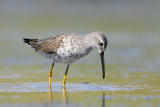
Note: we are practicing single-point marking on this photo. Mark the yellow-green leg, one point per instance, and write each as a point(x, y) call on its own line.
point(50, 74)
point(65, 75)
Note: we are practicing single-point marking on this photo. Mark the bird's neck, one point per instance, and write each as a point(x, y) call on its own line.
point(92, 41)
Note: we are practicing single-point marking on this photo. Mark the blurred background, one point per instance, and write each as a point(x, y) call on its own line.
point(124, 21)
point(132, 56)
point(104, 15)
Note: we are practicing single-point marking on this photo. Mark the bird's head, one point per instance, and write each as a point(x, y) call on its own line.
point(99, 41)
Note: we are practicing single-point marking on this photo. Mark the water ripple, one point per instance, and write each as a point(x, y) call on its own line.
point(57, 87)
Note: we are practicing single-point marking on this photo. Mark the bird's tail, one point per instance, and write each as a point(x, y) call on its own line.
point(32, 42)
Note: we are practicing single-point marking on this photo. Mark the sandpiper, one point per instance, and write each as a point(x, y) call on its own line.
point(67, 48)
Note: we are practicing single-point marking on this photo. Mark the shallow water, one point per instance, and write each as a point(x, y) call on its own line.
point(132, 76)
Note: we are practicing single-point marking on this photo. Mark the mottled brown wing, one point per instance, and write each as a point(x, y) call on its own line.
point(48, 45)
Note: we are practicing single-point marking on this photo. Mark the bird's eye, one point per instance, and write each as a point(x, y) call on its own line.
point(100, 44)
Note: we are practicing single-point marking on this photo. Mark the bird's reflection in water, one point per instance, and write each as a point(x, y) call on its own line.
point(64, 94)
point(65, 99)
point(103, 100)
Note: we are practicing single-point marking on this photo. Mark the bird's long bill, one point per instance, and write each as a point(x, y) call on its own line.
point(103, 63)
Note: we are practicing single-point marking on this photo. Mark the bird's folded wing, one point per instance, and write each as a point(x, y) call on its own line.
point(48, 45)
